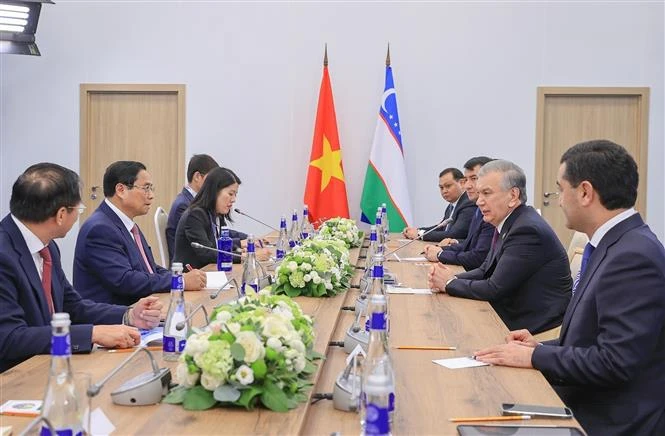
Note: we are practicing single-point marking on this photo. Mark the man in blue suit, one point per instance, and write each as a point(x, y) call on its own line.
point(459, 208)
point(113, 262)
point(198, 168)
point(608, 364)
point(526, 275)
point(45, 203)
point(469, 253)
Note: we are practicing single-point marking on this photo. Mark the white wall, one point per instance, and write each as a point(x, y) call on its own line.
point(466, 78)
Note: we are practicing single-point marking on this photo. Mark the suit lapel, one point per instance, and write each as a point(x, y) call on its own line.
point(28, 266)
point(596, 259)
point(498, 246)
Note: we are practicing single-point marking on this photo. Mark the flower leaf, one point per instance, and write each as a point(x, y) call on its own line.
point(275, 399)
point(226, 393)
point(238, 352)
point(198, 398)
point(176, 396)
point(247, 397)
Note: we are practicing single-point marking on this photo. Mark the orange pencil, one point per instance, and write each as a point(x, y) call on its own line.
point(416, 347)
point(26, 414)
point(492, 418)
point(131, 350)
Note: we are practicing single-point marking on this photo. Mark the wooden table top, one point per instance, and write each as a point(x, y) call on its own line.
point(426, 394)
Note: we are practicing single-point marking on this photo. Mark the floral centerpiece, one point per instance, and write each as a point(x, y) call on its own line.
point(255, 351)
point(316, 268)
point(341, 229)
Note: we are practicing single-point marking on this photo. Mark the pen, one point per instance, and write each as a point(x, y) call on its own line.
point(492, 418)
point(129, 350)
point(416, 347)
point(189, 267)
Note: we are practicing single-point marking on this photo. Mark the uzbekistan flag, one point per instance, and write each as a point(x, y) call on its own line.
point(385, 180)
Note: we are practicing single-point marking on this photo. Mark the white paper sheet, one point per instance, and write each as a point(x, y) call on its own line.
point(100, 424)
point(459, 362)
point(400, 290)
point(215, 280)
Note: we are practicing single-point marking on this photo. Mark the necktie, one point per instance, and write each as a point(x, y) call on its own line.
point(495, 237)
point(588, 250)
point(448, 213)
point(139, 244)
point(46, 277)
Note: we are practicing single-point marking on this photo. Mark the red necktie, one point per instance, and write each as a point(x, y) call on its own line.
point(139, 244)
point(46, 277)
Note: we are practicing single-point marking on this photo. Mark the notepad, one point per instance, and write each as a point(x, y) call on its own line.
point(215, 280)
point(400, 290)
point(459, 362)
point(21, 408)
point(410, 259)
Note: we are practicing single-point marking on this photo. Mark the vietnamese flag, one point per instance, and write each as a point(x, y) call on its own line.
point(325, 191)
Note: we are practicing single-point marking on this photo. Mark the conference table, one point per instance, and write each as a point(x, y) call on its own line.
point(427, 394)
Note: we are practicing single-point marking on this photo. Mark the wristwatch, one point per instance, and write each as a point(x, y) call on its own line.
point(421, 233)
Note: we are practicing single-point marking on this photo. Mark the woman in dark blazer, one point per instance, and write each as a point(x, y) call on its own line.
point(204, 218)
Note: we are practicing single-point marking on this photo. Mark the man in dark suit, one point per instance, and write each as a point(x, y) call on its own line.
point(198, 168)
point(45, 203)
point(608, 364)
point(460, 209)
point(113, 262)
point(526, 275)
point(468, 253)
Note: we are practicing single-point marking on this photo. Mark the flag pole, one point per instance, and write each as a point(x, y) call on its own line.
point(388, 56)
point(325, 55)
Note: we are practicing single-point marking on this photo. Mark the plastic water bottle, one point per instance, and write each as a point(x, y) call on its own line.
point(306, 228)
point(384, 221)
point(225, 243)
point(282, 244)
point(174, 339)
point(294, 230)
point(252, 271)
point(61, 405)
point(378, 375)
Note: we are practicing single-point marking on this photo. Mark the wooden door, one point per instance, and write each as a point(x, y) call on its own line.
point(567, 116)
point(145, 123)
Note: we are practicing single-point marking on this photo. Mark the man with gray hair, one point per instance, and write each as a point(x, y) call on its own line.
point(526, 275)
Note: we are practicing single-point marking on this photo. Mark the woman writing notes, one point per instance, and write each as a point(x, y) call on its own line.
point(203, 220)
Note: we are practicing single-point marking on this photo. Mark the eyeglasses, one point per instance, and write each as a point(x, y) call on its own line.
point(145, 188)
point(81, 208)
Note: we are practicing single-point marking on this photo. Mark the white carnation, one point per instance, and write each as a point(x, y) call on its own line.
point(233, 327)
point(274, 326)
point(297, 345)
point(197, 344)
point(299, 363)
point(292, 266)
point(223, 316)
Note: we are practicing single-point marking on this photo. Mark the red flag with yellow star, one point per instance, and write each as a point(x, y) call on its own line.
point(325, 191)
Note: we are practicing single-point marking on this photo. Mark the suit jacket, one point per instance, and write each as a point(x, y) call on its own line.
point(526, 276)
point(472, 251)
point(608, 364)
point(196, 226)
point(108, 266)
point(179, 205)
point(459, 228)
point(25, 321)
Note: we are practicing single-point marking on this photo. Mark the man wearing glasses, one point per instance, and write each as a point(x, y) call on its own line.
point(44, 205)
point(113, 262)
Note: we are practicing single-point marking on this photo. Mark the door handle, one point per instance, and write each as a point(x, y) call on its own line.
point(93, 192)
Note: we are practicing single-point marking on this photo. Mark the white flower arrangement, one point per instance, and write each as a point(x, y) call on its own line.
point(341, 229)
point(316, 268)
point(255, 351)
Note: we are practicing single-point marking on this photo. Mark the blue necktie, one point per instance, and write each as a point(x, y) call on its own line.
point(588, 250)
